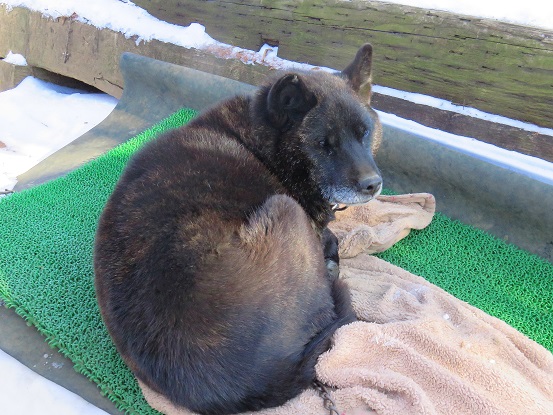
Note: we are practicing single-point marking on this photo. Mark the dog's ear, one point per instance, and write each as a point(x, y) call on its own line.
point(288, 101)
point(359, 72)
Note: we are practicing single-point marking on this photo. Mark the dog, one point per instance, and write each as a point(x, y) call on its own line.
point(212, 254)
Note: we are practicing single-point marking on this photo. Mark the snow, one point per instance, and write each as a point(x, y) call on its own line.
point(23, 392)
point(449, 106)
point(120, 16)
point(15, 59)
point(537, 13)
point(38, 118)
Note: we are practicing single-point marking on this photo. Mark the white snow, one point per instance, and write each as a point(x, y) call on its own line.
point(23, 392)
point(537, 13)
point(471, 112)
point(15, 59)
point(37, 118)
point(120, 16)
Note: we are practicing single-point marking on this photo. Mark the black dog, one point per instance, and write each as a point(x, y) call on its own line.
point(209, 260)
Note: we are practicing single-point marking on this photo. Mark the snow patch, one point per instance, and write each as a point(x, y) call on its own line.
point(120, 16)
point(38, 118)
point(26, 392)
point(15, 59)
point(537, 13)
point(458, 109)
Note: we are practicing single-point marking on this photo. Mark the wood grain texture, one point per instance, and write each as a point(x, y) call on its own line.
point(497, 67)
point(91, 55)
point(504, 136)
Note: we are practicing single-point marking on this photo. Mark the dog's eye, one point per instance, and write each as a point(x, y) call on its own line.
point(329, 141)
point(361, 131)
point(328, 144)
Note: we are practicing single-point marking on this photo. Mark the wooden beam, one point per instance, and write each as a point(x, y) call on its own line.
point(497, 67)
point(74, 49)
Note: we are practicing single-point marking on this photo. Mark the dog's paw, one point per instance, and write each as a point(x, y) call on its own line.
point(333, 269)
point(330, 246)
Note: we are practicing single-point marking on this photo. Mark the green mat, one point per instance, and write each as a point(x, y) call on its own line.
point(46, 273)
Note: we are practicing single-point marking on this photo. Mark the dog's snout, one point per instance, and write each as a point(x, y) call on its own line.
point(370, 185)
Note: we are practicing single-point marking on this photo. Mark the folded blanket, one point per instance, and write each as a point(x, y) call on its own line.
point(415, 349)
point(376, 226)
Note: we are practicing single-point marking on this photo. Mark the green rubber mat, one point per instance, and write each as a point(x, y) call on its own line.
point(46, 273)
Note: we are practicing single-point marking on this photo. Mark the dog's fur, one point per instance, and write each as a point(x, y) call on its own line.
point(209, 259)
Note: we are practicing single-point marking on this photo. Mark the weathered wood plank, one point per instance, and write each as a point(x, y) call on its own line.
point(91, 55)
point(504, 136)
point(83, 52)
point(497, 67)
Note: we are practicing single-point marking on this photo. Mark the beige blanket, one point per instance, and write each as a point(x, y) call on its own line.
point(415, 349)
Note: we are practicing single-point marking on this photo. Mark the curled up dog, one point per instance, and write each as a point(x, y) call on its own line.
point(212, 254)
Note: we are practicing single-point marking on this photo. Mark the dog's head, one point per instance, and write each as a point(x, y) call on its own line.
point(328, 131)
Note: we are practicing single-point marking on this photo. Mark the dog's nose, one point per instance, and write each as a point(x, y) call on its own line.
point(370, 185)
